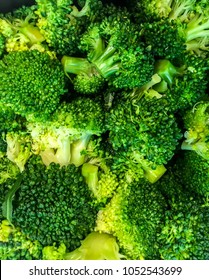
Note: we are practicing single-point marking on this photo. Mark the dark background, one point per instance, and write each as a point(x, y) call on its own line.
point(9, 5)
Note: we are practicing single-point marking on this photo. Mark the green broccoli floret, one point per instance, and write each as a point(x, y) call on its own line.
point(31, 83)
point(20, 30)
point(96, 246)
point(183, 85)
point(53, 252)
point(15, 245)
point(194, 171)
point(62, 23)
point(114, 53)
point(196, 129)
point(54, 205)
point(97, 170)
point(143, 133)
point(8, 169)
point(185, 233)
point(134, 216)
point(64, 138)
point(181, 23)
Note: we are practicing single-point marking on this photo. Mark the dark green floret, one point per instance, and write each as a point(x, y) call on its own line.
point(134, 216)
point(60, 209)
point(31, 82)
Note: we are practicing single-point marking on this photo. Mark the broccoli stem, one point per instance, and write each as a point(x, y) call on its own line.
point(77, 150)
point(167, 71)
point(32, 33)
point(77, 66)
point(90, 173)
point(196, 29)
point(107, 63)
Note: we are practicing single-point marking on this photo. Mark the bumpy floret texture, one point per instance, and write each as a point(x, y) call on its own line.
point(59, 210)
point(36, 87)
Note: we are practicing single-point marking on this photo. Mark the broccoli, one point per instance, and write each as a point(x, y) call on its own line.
point(144, 134)
point(62, 22)
point(114, 53)
point(134, 216)
point(20, 30)
point(64, 138)
point(196, 129)
point(15, 245)
point(184, 85)
point(96, 246)
point(179, 26)
point(194, 170)
point(31, 83)
point(53, 204)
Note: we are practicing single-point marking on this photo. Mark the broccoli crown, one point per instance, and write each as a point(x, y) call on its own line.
point(164, 39)
point(185, 233)
point(20, 30)
point(64, 137)
point(31, 82)
point(8, 169)
point(115, 53)
point(15, 245)
point(195, 172)
point(196, 126)
point(183, 85)
point(62, 23)
point(60, 209)
point(144, 125)
point(135, 225)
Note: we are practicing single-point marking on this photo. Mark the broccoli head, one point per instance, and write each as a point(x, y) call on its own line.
point(31, 82)
point(53, 204)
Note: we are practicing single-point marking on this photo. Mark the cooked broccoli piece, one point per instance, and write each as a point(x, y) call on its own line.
point(196, 129)
point(114, 53)
point(20, 30)
point(134, 216)
point(185, 233)
point(97, 170)
point(62, 22)
point(179, 26)
point(96, 246)
point(184, 85)
point(54, 205)
point(15, 245)
point(64, 138)
point(31, 83)
point(143, 132)
point(194, 171)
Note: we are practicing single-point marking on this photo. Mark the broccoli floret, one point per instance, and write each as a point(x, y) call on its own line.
point(97, 170)
point(143, 132)
point(31, 83)
point(185, 20)
point(114, 53)
point(96, 246)
point(8, 169)
point(15, 245)
point(64, 138)
point(54, 253)
point(194, 171)
point(196, 129)
point(54, 205)
point(183, 85)
point(134, 216)
point(62, 23)
point(185, 233)
point(20, 30)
